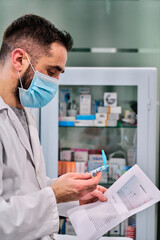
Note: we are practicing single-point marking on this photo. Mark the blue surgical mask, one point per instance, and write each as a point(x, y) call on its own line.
point(41, 91)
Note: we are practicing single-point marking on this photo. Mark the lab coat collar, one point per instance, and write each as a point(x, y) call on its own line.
point(18, 127)
point(3, 105)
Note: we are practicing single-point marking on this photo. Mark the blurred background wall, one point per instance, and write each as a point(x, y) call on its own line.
point(109, 33)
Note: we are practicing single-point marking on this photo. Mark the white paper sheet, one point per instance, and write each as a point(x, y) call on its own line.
point(69, 237)
point(131, 193)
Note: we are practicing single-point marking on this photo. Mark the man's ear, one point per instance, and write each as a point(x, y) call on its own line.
point(19, 60)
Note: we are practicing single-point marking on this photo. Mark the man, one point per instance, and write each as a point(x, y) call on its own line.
point(32, 56)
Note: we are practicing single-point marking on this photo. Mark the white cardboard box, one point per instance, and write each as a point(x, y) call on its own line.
point(117, 109)
point(85, 104)
point(115, 231)
point(109, 116)
point(110, 99)
point(100, 116)
point(100, 122)
point(85, 123)
point(108, 109)
point(102, 109)
point(95, 157)
point(111, 123)
point(81, 156)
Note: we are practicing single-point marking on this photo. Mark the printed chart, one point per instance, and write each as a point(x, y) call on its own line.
point(133, 194)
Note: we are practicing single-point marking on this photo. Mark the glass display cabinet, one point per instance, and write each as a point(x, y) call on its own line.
point(110, 109)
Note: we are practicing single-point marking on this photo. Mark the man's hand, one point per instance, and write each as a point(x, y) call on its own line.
point(73, 186)
point(94, 196)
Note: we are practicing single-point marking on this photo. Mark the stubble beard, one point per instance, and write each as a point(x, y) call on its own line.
point(26, 81)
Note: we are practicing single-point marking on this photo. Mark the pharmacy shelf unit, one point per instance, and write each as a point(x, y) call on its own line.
point(145, 79)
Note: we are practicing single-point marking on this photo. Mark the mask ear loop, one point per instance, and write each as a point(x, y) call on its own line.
point(29, 62)
point(20, 79)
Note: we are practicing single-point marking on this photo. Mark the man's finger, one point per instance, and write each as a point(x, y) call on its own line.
point(92, 182)
point(80, 176)
point(99, 195)
point(101, 188)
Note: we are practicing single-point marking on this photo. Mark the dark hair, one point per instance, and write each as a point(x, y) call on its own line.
point(34, 34)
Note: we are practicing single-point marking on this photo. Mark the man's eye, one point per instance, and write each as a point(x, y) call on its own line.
point(50, 73)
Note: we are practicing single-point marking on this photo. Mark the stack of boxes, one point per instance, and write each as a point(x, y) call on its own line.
point(85, 118)
point(108, 115)
point(73, 160)
point(81, 161)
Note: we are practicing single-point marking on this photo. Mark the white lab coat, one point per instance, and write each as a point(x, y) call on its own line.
point(25, 212)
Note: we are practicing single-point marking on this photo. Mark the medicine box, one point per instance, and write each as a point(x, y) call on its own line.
point(115, 231)
point(85, 117)
point(66, 118)
point(100, 123)
point(71, 166)
point(129, 117)
point(80, 154)
point(81, 167)
point(100, 116)
point(84, 123)
point(111, 123)
point(84, 167)
point(108, 109)
point(62, 109)
point(103, 109)
point(85, 104)
point(95, 157)
point(66, 123)
point(105, 123)
point(117, 109)
point(66, 166)
point(113, 116)
point(110, 99)
point(108, 116)
point(115, 167)
point(129, 114)
point(67, 155)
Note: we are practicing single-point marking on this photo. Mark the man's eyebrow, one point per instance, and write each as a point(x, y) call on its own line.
point(58, 68)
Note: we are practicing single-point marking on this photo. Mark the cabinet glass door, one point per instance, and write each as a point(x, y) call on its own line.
point(95, 118)
point(110, 109)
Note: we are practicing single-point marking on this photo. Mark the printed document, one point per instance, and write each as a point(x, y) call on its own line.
point(131, 193)
point(70, 237)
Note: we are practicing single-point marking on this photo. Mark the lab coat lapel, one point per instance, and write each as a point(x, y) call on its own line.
point(34, 138)
point(37, 151)
point(20, 132)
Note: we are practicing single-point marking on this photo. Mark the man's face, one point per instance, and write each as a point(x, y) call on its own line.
point(52, 65)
